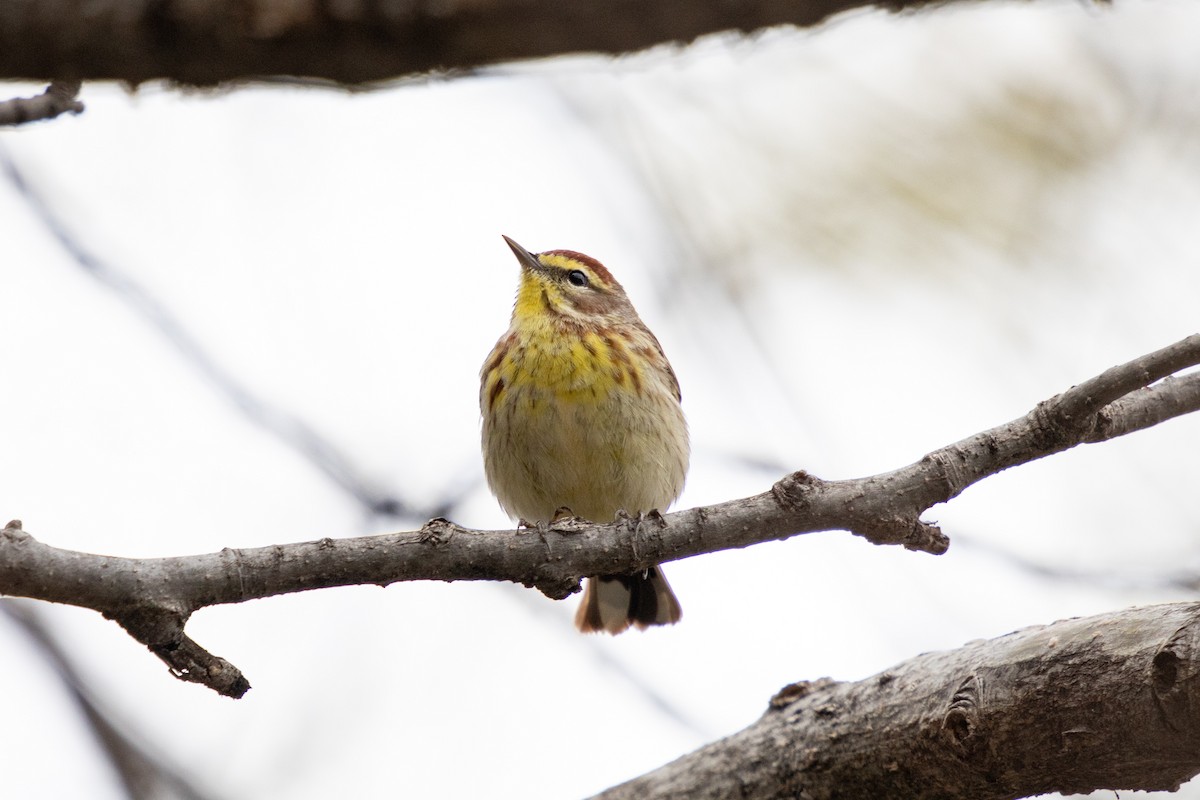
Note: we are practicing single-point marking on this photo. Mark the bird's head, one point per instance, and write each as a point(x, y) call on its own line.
point(566, 286)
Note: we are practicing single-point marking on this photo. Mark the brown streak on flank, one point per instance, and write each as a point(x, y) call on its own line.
point(601, 271)
point(618, 355)
point(623, 362)
point(651, 354)
point(497, 388)
point(501, 351)
point(636, 378)
point(616, 352)
point(591, 348)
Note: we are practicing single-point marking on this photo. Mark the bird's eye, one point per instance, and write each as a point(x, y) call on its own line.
point(577, 277)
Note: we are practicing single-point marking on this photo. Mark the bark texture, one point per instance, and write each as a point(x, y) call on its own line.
point(152, 598)
point(1106, 702)
point(206, 42)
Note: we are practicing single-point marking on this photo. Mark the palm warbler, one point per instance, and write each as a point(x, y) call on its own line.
point(581, 410)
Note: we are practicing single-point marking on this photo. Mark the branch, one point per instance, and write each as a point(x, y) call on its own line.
point(207, 42)
point(1106, 702)
point(154, 597)
point(59, 98)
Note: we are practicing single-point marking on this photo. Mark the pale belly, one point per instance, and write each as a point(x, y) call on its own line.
point(594, 455)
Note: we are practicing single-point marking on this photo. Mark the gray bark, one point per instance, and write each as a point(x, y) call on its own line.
point(153, 598)
point(1106, 702)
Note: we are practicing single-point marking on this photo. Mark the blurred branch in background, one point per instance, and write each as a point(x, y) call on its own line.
point(154, 598)
point(1101, 702)
point(286, 427)
point(144, 774)
point(208, 42)
point(60, 97)
point(598, 651)
point(1116, 579)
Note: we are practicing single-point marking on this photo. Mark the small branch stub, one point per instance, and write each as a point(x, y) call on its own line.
point(162, 632)
point(59, 98)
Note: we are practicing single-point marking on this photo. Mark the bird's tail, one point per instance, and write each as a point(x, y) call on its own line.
point(612, 603)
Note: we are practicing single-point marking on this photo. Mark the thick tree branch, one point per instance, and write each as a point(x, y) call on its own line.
point(59, 98)
point(153, 598)
point(1107, 702)
point(207, 42)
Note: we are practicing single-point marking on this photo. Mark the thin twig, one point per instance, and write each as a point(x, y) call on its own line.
point(59, 98)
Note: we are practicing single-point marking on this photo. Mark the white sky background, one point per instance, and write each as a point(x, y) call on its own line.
point(856, 244)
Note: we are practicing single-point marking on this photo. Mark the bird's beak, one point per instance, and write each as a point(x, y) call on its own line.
point(528, 260)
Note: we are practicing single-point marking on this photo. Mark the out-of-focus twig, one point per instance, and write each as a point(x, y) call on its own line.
point(288, 428)
point(146, 775)
point(60, 97)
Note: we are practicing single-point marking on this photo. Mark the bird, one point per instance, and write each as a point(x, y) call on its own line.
point(581, 410)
